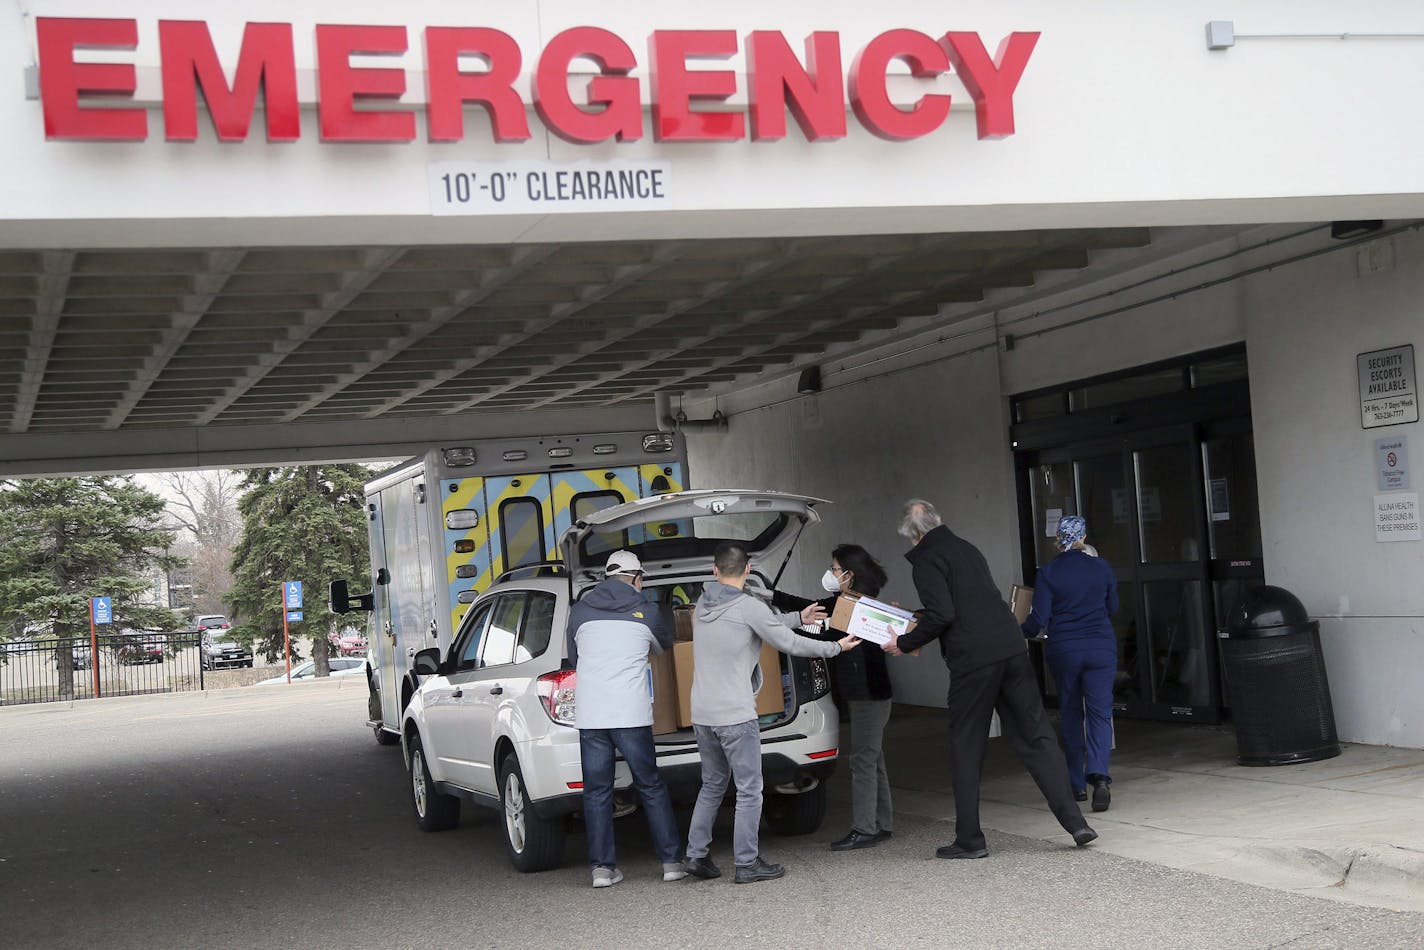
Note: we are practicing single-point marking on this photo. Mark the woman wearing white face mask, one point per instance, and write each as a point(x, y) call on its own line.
point(863, 683)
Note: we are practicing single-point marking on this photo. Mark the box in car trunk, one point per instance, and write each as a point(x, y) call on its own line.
point(664, 685)
point(771, 698)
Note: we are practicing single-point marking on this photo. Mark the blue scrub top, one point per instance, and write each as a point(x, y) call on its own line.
point(1073, 597)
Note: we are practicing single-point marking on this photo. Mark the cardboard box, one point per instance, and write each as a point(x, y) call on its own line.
point(873, 621)
point(682, 623)
point(1021, 600)
point(769, 699)
point(663, 683)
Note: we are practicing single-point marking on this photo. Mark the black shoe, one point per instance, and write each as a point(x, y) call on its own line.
point(885, 835)
point(854, 840)
point(759, 870)
point(1102, 798)
point(702, 867)
point(1080, 795)
point(955, 851)
point(1084, 835)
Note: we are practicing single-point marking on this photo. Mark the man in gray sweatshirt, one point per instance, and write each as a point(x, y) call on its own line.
point(728, 629)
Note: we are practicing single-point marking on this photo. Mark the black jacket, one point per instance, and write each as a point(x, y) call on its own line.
point(962, 607)
point(859, 674)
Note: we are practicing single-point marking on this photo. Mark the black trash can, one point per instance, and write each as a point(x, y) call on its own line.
point(1280, 697)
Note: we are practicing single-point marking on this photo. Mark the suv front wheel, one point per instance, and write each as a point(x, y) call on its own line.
point(533, 843)
point(434, 810)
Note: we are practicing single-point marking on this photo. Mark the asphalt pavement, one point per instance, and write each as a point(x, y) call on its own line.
point(246, 817)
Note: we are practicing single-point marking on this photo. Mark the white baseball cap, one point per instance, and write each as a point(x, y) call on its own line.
point(623, 562)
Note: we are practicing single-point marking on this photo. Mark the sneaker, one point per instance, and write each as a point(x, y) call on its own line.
point(759, 870)
point(673, 871)
point(1080, 794)
point(1084, 835)
point(1102, 798)
point(955, 851)
point(606, 877)
point(702, 867)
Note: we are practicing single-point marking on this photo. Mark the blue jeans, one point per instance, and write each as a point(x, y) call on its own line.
point(596, 747)
point(1085, 699)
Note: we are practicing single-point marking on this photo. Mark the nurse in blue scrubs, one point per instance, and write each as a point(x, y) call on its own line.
point(1074, 597)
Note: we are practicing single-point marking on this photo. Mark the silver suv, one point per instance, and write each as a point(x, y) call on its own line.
point(492, 721)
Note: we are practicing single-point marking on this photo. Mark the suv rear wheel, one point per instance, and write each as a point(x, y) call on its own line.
point(434, 810)
point(533, 843)
point(801, 814)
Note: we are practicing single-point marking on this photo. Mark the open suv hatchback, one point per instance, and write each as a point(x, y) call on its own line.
point(492, 721)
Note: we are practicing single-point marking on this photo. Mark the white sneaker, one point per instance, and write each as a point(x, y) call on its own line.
point(674, 871)
point(606, 877)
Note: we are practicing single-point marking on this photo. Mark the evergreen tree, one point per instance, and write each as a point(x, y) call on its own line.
point(69, 539)
point(307, 524)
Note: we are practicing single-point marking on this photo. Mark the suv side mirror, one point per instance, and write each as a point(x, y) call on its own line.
point(426, 662)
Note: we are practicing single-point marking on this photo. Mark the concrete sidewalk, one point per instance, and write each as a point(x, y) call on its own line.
point(1349, 828)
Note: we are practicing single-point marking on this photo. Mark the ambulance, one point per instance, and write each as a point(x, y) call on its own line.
point(445, 525)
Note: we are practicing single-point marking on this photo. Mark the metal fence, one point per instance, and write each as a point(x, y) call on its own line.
point(127, 664)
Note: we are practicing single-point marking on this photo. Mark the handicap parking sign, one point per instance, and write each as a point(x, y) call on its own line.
point(293, 592)
point(293, 616)
point(103, 610)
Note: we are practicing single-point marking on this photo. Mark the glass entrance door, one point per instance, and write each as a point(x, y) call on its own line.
point(1149, 501)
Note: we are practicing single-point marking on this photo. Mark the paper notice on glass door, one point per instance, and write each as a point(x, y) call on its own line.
point(1050, 522)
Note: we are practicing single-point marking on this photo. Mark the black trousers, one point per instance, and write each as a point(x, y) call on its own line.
point(1008, 686)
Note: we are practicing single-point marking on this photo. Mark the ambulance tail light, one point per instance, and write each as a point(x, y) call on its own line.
point(658, 442)
point(556, 693)
point(459, 457)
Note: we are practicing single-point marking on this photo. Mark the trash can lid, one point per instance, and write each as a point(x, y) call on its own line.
point(1266, 608)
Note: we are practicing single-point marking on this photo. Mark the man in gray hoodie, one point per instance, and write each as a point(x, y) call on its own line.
point(728, 629)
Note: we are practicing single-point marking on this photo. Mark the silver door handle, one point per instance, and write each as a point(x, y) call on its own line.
point(496, 690)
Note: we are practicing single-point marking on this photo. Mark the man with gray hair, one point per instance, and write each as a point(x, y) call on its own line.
point(988, 669)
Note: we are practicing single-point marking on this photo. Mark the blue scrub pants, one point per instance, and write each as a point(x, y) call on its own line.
point(1085, 695)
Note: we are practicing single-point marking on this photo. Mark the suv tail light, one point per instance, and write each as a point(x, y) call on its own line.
point(556, 692)
point(820, 678)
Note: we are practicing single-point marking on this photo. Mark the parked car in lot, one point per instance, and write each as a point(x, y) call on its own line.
point(306, 672)
point(492, 720)
point(219, 648)
point(349, 642)
point(138, 647)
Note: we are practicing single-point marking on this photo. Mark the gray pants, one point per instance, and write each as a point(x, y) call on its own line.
point(869, 783)
point(728, 752)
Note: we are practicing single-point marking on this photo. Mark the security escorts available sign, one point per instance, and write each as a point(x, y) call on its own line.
point(1389, 392)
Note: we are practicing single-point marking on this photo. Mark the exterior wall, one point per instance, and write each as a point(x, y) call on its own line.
point(935, 432)
point(1317, 479)
point(1303, 321)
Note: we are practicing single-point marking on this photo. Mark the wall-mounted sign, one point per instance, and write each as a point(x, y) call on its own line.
point(1389, 389)
point(1392, 464)
point(1397, 517)
point(88, 89)
point(547, 187)
point(1219, 498)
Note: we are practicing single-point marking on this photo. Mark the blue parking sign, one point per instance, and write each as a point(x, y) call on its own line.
point(293, 616)
point(292, 591)
point(103, 610)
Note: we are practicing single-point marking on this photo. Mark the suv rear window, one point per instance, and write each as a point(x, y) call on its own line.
point(668, 539)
